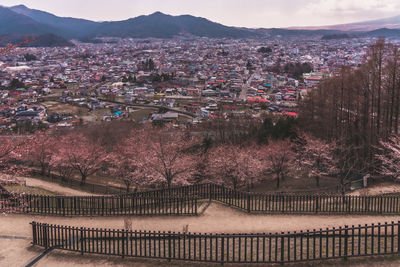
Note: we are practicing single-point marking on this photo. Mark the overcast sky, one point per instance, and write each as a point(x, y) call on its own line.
point(246, 13)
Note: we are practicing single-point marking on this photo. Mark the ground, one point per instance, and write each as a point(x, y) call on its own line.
point(379, 189)
point(54, 188)
point(63, 108)
point(15, 231)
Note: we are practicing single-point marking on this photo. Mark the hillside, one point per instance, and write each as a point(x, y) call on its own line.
point(66, 27)
point(44, 40)
point(363, 26)
point(14, 23)
point(159, 25)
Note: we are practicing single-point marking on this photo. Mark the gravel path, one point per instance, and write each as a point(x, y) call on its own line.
point(56, 188)
point(217, 218)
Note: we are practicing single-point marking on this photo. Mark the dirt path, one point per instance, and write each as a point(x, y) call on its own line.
point(56, 188)
point(383, 188)
point(217, 218)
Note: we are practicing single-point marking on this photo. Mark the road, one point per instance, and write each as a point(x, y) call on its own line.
point(182, 113)
point(245, 87)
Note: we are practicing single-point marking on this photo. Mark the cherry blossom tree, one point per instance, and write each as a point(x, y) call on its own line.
point(279, 158)
point(235, 165)
point(11, 149)
point(59, 162)
point(318, 156)
point(127, 162)
point(9, 47)
point(82, 154)
point(40, 150)
point(389, 157)
point(169, 156)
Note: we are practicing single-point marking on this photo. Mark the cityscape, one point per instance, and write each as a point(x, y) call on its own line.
point(170, 138)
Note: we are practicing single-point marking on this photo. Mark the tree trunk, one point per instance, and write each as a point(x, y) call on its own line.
point(42, 169)
point(169, 182)
point(83, 179)
point(317, 180)
point(277, 180)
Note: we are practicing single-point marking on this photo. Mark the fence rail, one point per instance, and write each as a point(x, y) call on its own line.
point(184, 200)
point(99, 205)
point(342, 242)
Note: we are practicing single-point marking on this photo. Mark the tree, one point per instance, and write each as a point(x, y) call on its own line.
point(15, 83)
point(82, 154)
point(168, 156)
point(278, 157)
point(389, 158)
point(60, 163)
point(40, 150)
point(6, 50)
point(265, 131)
point(238, 166)
point(264, 50)
point(284, 128)
point(30, 57)
point(318, 156)
point(127, 164)
point(150, 64)
point(12, 148)
point(358, 106)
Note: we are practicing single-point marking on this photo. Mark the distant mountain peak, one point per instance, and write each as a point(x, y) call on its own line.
point(158, 13)
point(20, 6)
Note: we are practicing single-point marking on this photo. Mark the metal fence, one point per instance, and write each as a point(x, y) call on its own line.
point(342, 242)
point(185, 200)
point(99, 205)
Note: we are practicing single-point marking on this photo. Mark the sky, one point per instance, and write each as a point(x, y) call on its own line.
point(242, 13)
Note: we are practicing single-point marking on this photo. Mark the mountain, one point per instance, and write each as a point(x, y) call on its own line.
point(384, 32)
point(14, 23)
point(338, 36)
point(66, 27)
point(159, 25)
point(364, 26)
point(44, 40)
point(18, 20)
point(273, 32)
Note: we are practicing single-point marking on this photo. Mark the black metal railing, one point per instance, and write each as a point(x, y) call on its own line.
point(343, 242)
point(184, 200)
point(99, 205)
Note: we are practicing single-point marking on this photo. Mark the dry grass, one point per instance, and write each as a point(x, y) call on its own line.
point(29, 190)
point(62, 108)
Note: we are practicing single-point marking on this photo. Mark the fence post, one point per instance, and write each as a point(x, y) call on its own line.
point(248, 202)
point(169, 246)
point(282, 248)
point(63, 206)
point(398, 236)
point(81, 240)
point(123, 243)
point(45, 236)
point(349, 199)
point(346, 239)
point(210, 191)
point(34, 241)
point(317, 203)
point(223, 249)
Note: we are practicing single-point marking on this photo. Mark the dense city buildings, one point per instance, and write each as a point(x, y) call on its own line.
point(183, 80)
